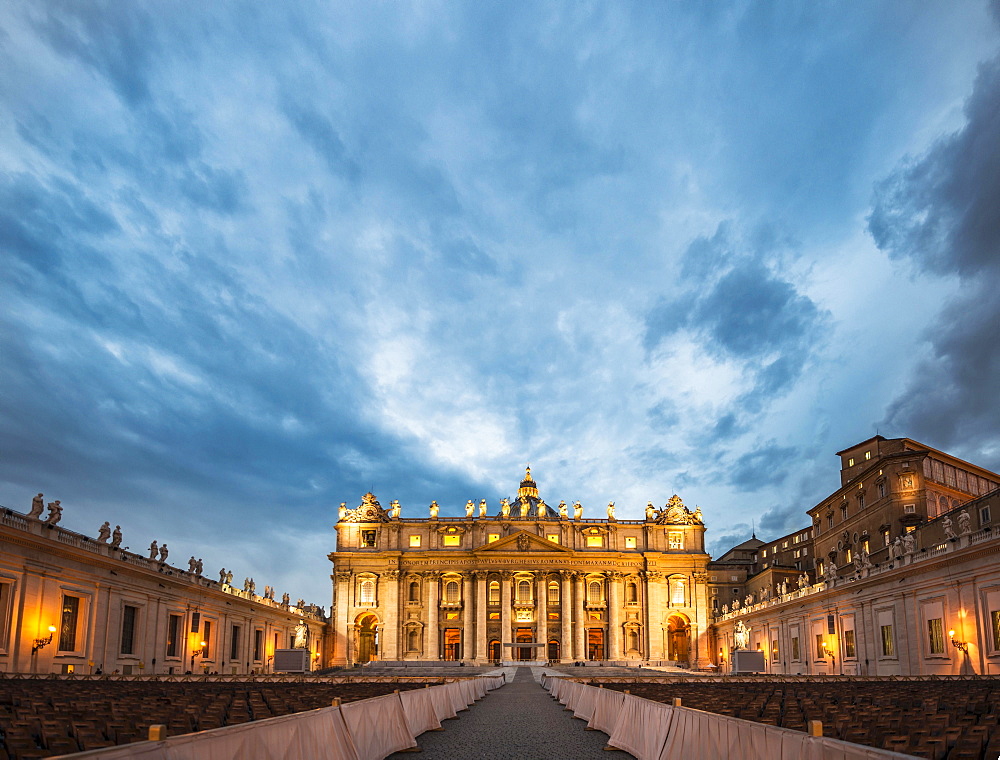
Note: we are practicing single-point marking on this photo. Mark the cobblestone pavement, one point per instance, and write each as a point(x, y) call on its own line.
point(519, 721)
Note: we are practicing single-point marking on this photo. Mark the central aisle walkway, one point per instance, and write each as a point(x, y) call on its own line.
point(518, 721)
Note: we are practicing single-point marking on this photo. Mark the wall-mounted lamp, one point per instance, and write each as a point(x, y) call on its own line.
point(196, 653)
point(42, 643)
point(961, 646)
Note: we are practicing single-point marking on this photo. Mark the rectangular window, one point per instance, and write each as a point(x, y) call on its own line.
point(69, 623)
point(553, 593)
point(368, 538)
point(129, 615)
point(675, 540)
point(494, 616)
point(850, 649)
point(795, 648)
point(820, 648)
point(995, 618)
point(414, 542)
point(452, 540)
point(763, 554)
point(843, 513)
point(796, 554)
point(234, 643)
point(492, 537)
point(629, 542)
point(774, 649)
point(984, 515)
point(850, 462)
point(888, 649)
point(881, 490)
point(595, 542)
point(552, 537)
point(861, 501)
point(174, 635)
point(784, 544)
point(258, 645)
point(207, 638)
point(677, 593)
point(935, 636)
point(868, 455)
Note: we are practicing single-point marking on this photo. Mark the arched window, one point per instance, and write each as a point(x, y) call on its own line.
point(594, 592)
point(631, 593)
point(524, 591)
point(451, 592)
point(494, 592)
point(412, 640)
point(368, 592)
point(678, 595)
point(553, 592)
point(414, 591)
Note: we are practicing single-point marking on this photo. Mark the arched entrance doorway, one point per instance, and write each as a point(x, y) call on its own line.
point(678, 639)
point(366, 630)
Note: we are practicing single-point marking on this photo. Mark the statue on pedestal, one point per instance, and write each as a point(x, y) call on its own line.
point(116, 537)
point(163, 553)
point(505, 507)
point(469, 508)
point(222, 576)
point(577, 510)
point(949, 531)
point(742, 635)
point(803, 581)
point(342, 510)
point(55, 513)
point(229, 578)
point(964, 523)
point(542, 509)
point(284, 599)
point(611, 510)
point(482, 508)
point(37, 507)
point(104, 532)
point(525, 507)
point(909, 543)
point(563, 510)
point(301, 636)
point(650, 511)
point(434, 510)
point(154, 550)
point(394, 508)
point(199, 566)
point(191, 564)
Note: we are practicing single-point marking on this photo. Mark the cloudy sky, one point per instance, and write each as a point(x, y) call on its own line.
point(257, 259)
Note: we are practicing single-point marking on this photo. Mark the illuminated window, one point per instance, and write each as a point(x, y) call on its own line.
point(675, 540)
point(850, 650)
point(524, 591)
point(935, 635)
point(677, 592)
point(763, 554)
point(995, 620)
point(595, 541)
point(415, 541)
point(774, 649)
point(888, 648)
point(492, 537)
point(629, 542)
point(784, 544)
point(451, 616)
point(553, 592)
point(494, 592)
point(451, 592)
point(450, 540)
point(553, 616)
point(820, 648)
point(594, 595)
point(850, 462)
point(367, 592)
point(368, 538)
point(70, 621)
point(848, 555)
point(868, 455)
point(494, 616)
point(553, 537)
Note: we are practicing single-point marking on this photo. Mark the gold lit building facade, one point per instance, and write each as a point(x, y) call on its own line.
point(527, 582)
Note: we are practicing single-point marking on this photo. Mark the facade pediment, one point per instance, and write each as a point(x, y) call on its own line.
point(522, 542)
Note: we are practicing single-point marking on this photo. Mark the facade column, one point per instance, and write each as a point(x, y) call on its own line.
point(481, 643)
point(542, 607)
point(342, 632)
point(655, 607)
point(566, 616)
point(581, 617)
point(615, 616)
point(506, 635)
point(432, 649)
point(701, 643)
point(469, 612)
point(390, 622)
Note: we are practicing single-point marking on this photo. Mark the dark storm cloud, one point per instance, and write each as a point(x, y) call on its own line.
point(764, 466)
point(940, 211)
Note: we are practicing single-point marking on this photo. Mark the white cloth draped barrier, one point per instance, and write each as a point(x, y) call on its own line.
point(369, 729)
point(655, 731)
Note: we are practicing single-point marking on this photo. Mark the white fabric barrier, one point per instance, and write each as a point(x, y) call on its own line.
point(418, 707)
point(456, 693)
point(641, 728)
point(441, 699)
point(607, 705)
point(583, 704)
point(378, 726)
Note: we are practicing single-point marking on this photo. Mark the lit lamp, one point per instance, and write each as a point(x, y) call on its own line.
point(829, 652)
point(42, 643)
point(196, 653)
point(961, 646)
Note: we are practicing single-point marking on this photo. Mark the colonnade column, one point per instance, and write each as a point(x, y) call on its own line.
point(506, 636)
point(542, 606)
point(481, 645)
point(655, 606)
point(391, 630)
point(581, 617)
point(432, 649)
point(614, 616)
point(469, 613)
point(566, 615)
point(699, 593)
